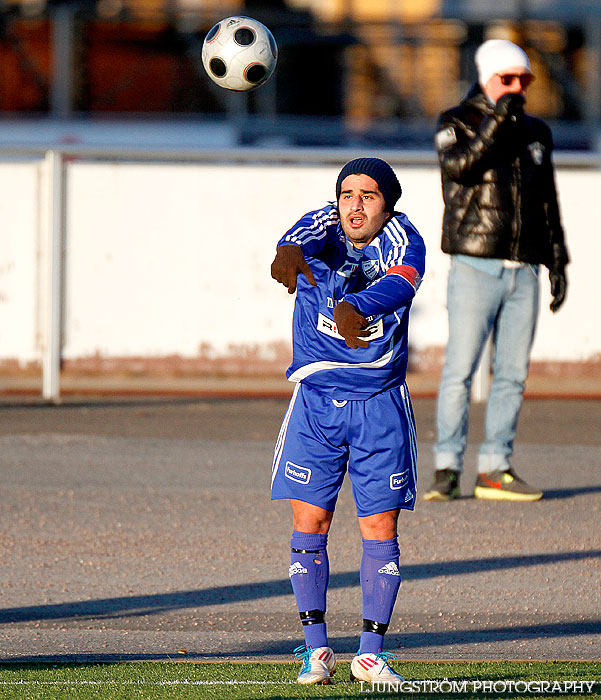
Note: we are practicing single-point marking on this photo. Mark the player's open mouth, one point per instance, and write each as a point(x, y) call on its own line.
point(356, 221)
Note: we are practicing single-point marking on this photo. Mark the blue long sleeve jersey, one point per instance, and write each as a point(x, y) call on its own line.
point(379, 280)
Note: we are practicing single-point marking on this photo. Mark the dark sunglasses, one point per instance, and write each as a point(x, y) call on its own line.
point(508, 78)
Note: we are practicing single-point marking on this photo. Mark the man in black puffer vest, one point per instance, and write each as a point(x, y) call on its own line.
point(501, 221)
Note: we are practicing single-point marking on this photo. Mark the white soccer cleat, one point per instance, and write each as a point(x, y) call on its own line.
point(374, 667)
point(318, 666)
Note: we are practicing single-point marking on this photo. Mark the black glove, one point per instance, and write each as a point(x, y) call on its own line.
point(351, 325)
point(510, 107)
point(289, 261)
point(559, 286)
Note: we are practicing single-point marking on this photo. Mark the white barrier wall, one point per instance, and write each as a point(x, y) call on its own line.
point(174, 259)
point(20, 238)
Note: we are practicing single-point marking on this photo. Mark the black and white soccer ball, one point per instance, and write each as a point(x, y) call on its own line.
point(239, 53)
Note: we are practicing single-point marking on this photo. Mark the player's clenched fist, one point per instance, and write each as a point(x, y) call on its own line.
point(288, 262)
point(351, 325)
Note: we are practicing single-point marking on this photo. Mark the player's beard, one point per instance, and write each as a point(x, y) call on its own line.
point(364, 235)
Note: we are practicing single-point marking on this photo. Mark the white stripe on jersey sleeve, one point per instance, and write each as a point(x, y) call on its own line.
point(397, 235)
point(321, 220)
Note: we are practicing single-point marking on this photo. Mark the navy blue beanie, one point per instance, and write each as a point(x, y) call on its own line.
point(380, 171)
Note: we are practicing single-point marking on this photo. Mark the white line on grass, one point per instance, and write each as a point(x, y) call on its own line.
point(181, 682)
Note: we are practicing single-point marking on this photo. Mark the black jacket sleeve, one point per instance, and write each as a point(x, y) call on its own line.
point(464, 156)
point(560, 253)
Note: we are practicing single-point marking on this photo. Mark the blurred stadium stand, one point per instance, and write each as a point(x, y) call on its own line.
point(351, 73)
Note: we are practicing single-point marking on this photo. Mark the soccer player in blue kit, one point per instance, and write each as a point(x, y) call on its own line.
point(355, 266)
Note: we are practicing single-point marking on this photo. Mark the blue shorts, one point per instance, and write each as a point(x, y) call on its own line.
point(375, 438)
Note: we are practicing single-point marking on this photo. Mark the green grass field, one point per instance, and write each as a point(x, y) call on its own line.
point(241, 681)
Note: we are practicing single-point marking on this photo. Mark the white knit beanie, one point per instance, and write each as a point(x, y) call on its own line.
point(498, 55)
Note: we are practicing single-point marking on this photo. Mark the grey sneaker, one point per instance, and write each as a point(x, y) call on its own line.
point(505, 486)
point(445, 486)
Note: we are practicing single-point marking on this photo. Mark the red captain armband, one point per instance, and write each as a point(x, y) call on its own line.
point(408, 273)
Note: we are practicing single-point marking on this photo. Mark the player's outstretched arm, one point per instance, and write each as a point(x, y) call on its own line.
point(351, 325)
point(289, 261)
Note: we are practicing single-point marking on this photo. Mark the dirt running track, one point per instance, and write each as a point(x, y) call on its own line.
point(139, 529)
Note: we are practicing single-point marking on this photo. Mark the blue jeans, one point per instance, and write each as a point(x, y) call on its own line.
point(479, 303)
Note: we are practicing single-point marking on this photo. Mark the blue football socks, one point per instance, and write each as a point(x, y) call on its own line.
point(309, 574)
point(380, 581)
